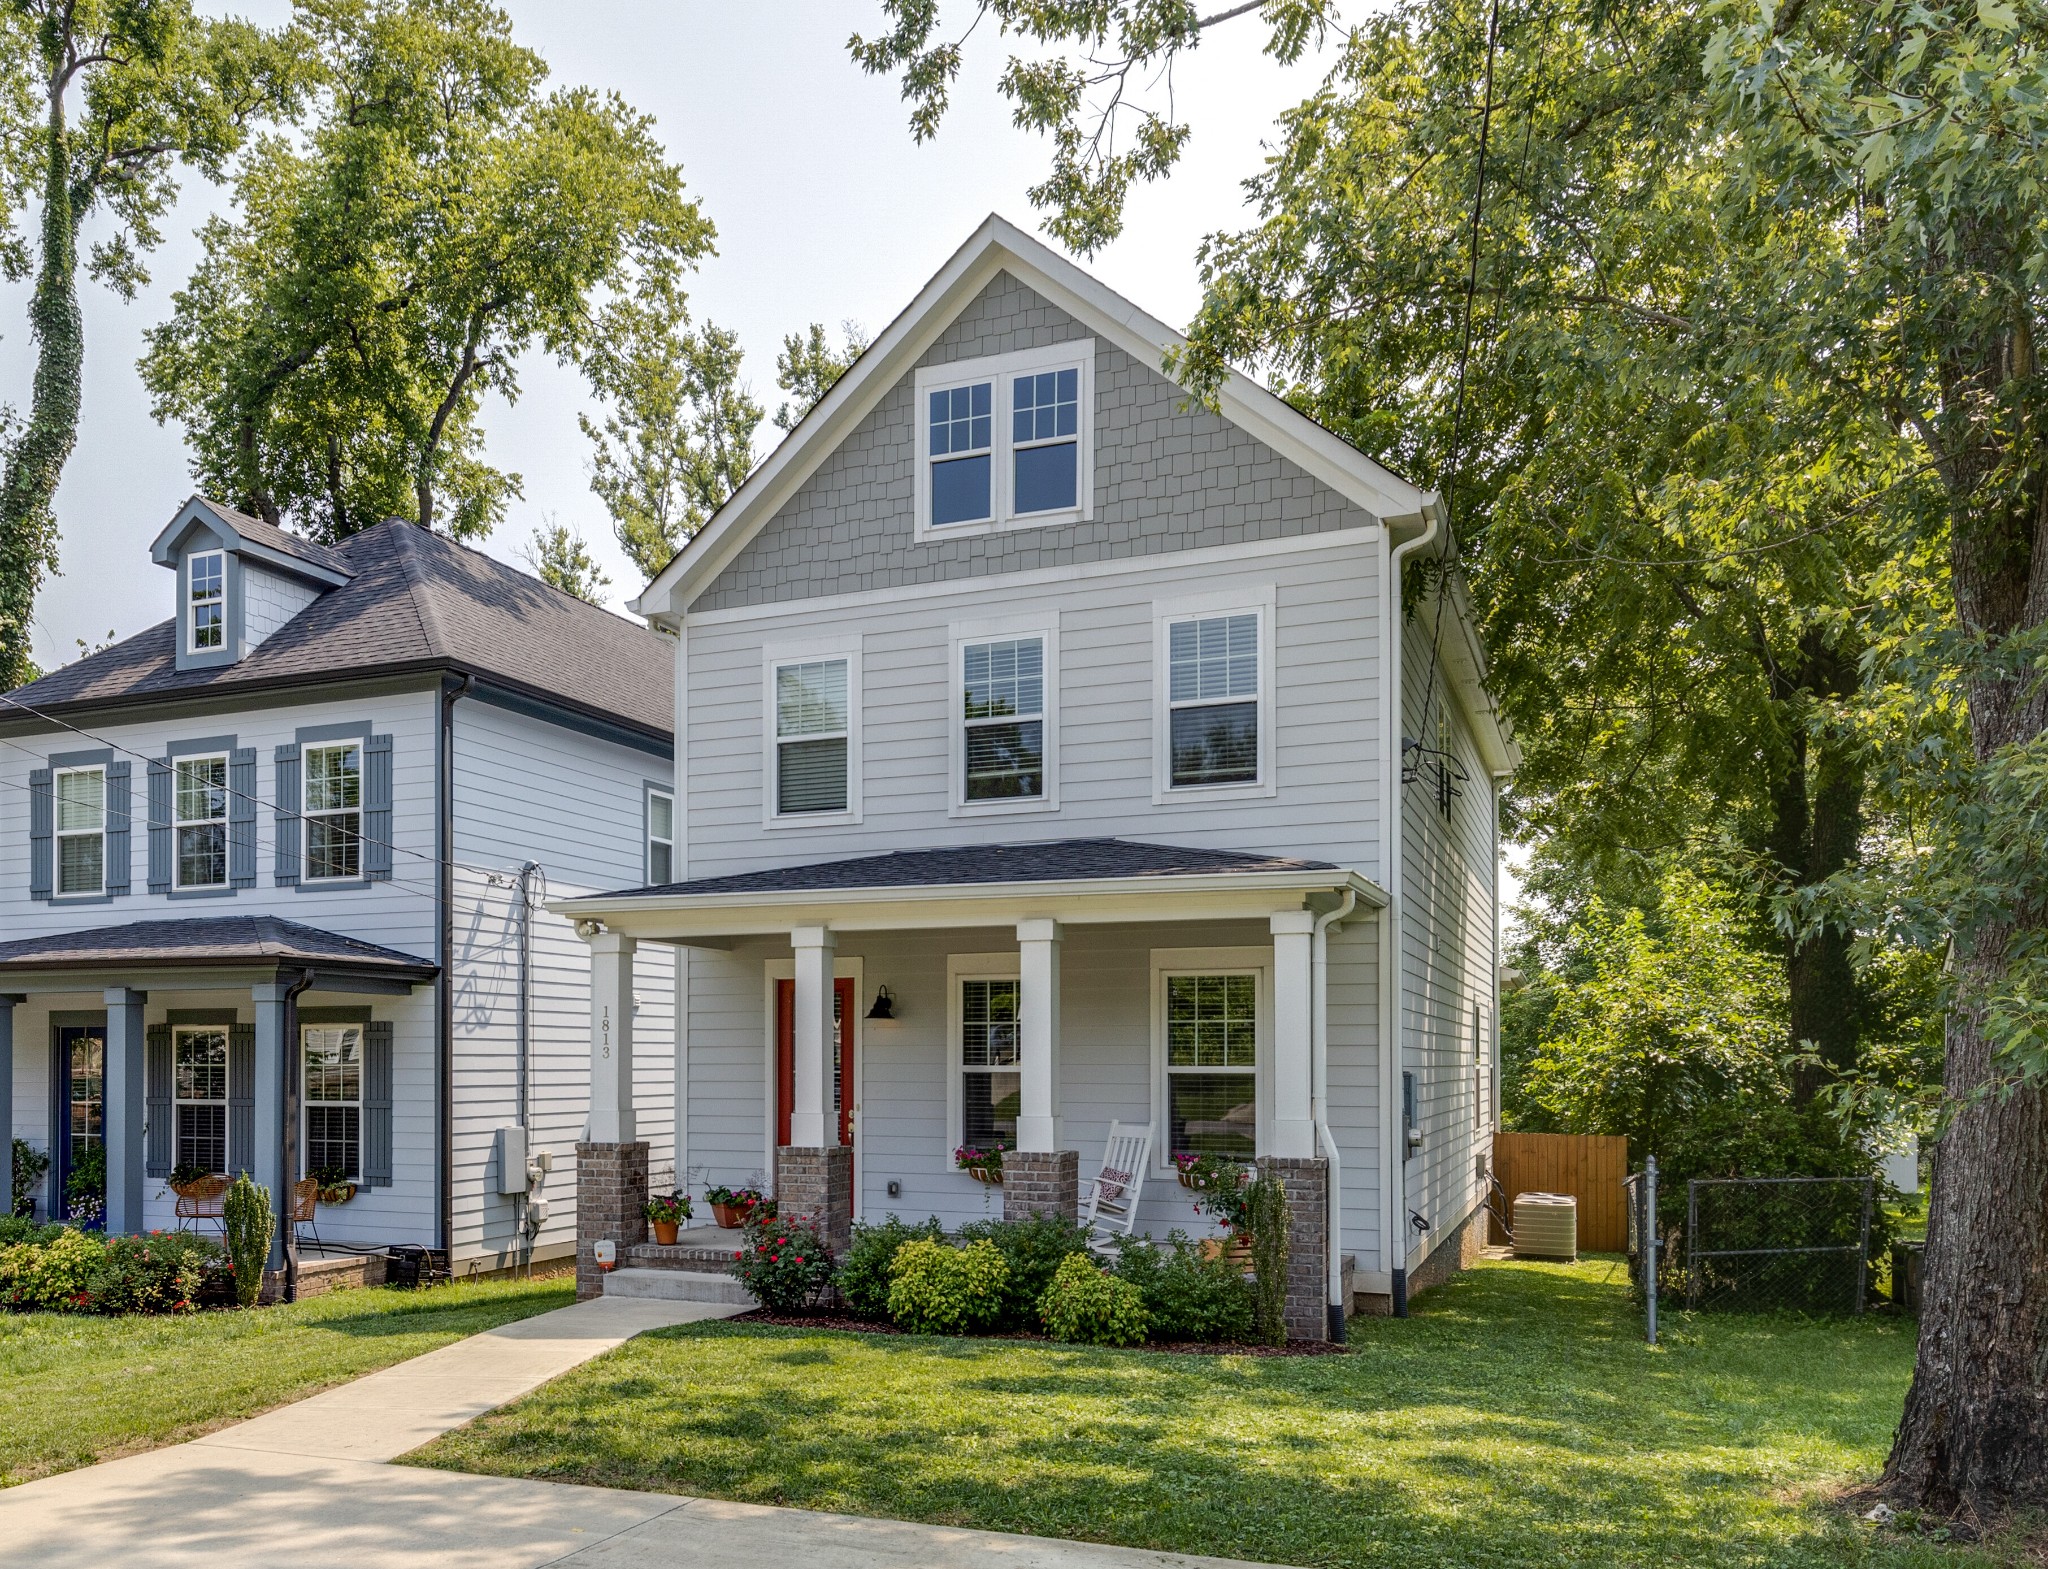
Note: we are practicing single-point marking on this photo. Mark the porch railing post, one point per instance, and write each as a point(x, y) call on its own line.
point(1038, 1031)
point(611, 1037)
point(811, 1115)
point(1294, 1129)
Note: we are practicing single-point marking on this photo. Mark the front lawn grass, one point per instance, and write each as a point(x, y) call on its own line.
point(1516, 1419)
point(75, 1389)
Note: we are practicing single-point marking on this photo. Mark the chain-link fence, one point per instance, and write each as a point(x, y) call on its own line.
point(1777, 1244)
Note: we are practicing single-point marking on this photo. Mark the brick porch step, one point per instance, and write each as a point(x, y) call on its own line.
point(676, 1285)
point(684, 1255)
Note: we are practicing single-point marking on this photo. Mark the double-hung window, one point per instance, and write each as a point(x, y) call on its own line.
point(81, 830)
point(1216, 710)
point(206, 596)
point(199, 808)
point(991, 1085)
point(814, 703)
point(334, 811)
point(661, 837)
point(1005, 440)
point(1003, 720)
point(200, 1106)
point(1212, 1040)
point(333, 1099)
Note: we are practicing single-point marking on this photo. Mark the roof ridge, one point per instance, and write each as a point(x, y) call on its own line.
point(406, 549)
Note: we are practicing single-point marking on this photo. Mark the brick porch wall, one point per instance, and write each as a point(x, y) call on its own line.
point(1042, 1182)
point(1307, 1182)
point(611, 1205)
point(815, 1183)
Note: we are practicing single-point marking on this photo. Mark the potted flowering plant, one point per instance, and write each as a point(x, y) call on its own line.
point(1222, 1184)
point(335, 1188)
point(983, 1165)
point(733, 1208)
point(665, 1212)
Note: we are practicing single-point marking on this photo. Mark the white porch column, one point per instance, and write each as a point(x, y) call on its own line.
point(811, 1114)
point(1294, 1129)
point(611, 1038)
point(1038, 1030)
point(268, 1167)
point(123, 1109)
point(7, 1002)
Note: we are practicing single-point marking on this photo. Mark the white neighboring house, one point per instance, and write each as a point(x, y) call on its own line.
point(1086, 724)
point(360, 768)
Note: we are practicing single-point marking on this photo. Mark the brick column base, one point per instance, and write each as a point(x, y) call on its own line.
point(611, 1205)
point(1308, 1243)
point(815, 1183)
point(1041, 1182)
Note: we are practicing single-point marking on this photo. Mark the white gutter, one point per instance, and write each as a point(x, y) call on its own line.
point(1319, 1092)
point(1394, 1144)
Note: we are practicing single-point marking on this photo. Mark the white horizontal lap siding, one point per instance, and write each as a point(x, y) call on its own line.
point(1325, 713)
point(526, 790)
point(1355, 1102)
point(1447, 952)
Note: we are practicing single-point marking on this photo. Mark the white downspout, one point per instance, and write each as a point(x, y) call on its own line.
point(1319, 1091)
point(1393, 1146)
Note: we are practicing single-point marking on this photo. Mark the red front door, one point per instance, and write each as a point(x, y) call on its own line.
point(842, 1056)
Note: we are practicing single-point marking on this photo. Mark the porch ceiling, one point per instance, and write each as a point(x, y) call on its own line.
point(206, 951)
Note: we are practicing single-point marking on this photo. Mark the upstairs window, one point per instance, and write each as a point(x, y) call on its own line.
point(199, 808)
point(334, 812)
point(1045, 425)
point(206, 595)
point(81, 829)
point(962, 453)
point(661, 837)
point(1003, 714)
point(1213, 700)
point(812, 731)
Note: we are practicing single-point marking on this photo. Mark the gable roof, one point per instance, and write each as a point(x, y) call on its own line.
point(411, 601)
point(253, 537)
point(1000, 246)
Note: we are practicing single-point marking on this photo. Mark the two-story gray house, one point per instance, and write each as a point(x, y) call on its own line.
point(284, 854)
point(1056, 753)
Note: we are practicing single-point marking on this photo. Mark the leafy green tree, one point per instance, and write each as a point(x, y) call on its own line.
point(677, 435)
point(561, 559)
point(100, 102)
point(443, 215)
point(808, 366)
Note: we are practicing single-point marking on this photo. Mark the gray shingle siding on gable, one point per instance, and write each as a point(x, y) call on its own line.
point(1167, 478)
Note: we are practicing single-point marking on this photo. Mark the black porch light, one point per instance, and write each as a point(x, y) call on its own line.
point(885, 1005)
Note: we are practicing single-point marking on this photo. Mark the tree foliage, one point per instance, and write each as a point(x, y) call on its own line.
point(560, 558)
point(808, 367)
point(444, 214)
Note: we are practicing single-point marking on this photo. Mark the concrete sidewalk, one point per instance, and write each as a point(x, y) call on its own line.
point(306, 1486)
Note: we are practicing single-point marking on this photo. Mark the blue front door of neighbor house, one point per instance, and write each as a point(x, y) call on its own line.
point(79, 1053)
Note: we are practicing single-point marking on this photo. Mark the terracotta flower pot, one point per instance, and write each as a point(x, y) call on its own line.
point(728, 1216)
point(665, 1232)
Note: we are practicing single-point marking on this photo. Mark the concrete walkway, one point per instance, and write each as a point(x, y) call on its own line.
point(306, 1486)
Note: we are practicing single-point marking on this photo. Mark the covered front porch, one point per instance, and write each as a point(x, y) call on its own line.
point(851, 1025)
point(215, 1046)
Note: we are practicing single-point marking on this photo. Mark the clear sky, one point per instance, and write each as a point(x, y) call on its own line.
point(826, 211)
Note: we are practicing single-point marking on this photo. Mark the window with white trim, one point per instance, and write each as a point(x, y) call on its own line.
point(1045, 440)
point(961, 432)
point(812, 734)
point(661, 837)
point(199, 817)
point(991, 1085)
point(200, 1091)
point(332, 1099)
point(1005, 440)
point(1213, 700)
point(81, 829)
point(1212, 1058)
point(333, 811)
point(206, 593)
point(1002, 715)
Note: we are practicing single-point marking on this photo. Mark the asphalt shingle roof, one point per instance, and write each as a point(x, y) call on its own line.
point(285, 543)
point(415, 601)
point(1056, 860)
point(227, 939)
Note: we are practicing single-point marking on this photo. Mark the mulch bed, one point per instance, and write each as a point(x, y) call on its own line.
point(870, 1326)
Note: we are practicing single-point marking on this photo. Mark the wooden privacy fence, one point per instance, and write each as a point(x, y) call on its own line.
point(1590, 1166)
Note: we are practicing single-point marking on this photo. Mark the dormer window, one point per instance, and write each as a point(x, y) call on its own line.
point(206, 575)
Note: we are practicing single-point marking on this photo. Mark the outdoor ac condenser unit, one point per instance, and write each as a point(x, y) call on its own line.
point(1546, 1226)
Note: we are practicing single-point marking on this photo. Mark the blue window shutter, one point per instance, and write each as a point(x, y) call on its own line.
point(156, 1100)
point(242, 817)
point(376, 1155)
point(377, 807)
point(285, 869)
point(160, 847)
point(241, 1098)
point(41, 833)
point(118, 854)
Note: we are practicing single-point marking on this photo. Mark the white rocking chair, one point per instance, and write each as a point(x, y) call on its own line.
point(1110, 1204)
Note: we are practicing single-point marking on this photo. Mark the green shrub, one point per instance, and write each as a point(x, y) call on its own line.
point(1187, 1296)
point(29, 1165)
point(1088, 1306)
point(19, 1228)
point(1033, 1250)
point(785, 1263)
point(864, 1272)
point(1265, 1214)
point(247, 1211)
point(939, 1290)
point(54, 1275)
point(158, 1273)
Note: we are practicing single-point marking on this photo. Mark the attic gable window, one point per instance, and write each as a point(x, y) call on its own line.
point(962, 443)
point(1006, 441)
point(206, 576)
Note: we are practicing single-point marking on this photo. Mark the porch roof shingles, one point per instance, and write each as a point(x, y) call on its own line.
point(1056, 860)
point(233, 940)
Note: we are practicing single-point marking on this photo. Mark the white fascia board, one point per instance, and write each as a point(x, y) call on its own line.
point(1095, 901)
point(1000, 246)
